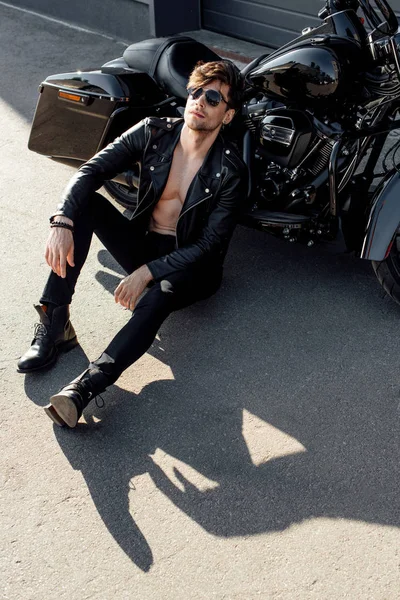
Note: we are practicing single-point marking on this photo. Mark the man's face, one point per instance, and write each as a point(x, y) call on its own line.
point(201, 116)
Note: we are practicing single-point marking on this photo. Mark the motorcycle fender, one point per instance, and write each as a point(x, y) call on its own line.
point(384, 218)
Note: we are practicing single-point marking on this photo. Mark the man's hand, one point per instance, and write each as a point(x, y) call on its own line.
point(60, 248)
point(130, 288)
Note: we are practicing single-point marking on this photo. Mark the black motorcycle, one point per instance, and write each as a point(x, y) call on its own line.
point(315, 123)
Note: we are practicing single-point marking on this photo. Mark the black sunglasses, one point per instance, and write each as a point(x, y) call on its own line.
point(213, 97)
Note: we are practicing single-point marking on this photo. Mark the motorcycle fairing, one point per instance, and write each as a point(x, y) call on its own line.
point(384, 218)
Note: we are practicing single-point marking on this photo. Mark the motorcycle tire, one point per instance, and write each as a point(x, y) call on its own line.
point(122, 194)
point(388, 273)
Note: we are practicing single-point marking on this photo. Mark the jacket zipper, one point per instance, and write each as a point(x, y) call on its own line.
point(187, 210)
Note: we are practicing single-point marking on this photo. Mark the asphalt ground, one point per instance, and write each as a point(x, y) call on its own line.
point(252, 452)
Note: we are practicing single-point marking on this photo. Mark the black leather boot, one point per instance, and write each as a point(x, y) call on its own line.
point(67, 405)
point(52, 335)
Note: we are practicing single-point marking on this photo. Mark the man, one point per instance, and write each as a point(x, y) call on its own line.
point(192, 187)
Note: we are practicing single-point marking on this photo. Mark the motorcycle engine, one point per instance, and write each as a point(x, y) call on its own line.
point(285, 135)
point(287, 148)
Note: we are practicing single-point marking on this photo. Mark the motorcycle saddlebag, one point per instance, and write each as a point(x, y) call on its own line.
point(75, 113)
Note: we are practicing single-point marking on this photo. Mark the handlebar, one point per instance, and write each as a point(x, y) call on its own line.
point(334, 6)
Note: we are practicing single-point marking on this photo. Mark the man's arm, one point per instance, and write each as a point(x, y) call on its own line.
point(215, 235)
point(115, 158)
point(131, 287)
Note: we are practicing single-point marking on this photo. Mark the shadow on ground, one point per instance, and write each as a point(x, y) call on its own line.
point(288, 342)
point(298, 339)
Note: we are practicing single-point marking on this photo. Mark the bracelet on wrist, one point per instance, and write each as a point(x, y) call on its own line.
point(53, 218)
point(62, 225)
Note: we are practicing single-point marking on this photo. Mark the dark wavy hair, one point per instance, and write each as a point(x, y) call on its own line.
point(220, 70)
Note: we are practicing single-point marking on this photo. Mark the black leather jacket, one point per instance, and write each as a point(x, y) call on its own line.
point(212, 205)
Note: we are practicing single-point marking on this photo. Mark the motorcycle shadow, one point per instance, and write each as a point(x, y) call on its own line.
point(254, 258)
point(276, 414)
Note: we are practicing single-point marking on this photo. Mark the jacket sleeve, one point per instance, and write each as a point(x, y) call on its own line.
point(115, 158)
point(214, 238)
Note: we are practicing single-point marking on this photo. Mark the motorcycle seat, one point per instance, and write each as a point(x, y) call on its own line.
point(169, 61)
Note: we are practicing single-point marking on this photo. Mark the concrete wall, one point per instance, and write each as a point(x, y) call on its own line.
point(126, 19)
point(131, 20)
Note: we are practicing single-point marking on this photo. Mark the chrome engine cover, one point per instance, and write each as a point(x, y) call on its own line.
point(285, 135)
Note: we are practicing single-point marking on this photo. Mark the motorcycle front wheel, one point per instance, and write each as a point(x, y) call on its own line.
point(125, 196)
point(388, 271)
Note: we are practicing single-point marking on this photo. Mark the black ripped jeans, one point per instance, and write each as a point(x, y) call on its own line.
point(131, 250)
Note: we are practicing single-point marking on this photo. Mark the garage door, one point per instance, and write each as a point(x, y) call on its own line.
point(262, 21)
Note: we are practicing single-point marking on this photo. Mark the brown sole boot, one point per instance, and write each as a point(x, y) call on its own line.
point(67, 405)
point(53, 335)
point(54, 416)
point(62, 410)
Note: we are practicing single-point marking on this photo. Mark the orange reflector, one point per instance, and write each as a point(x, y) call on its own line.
point(68, 96)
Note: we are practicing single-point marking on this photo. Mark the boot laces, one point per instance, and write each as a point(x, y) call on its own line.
point(40, 331)
point(98, 403)
point(82, 391)
point(98, 398)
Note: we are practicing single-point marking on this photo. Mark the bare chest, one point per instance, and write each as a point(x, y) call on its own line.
point(180, 177)
point(168, 208)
